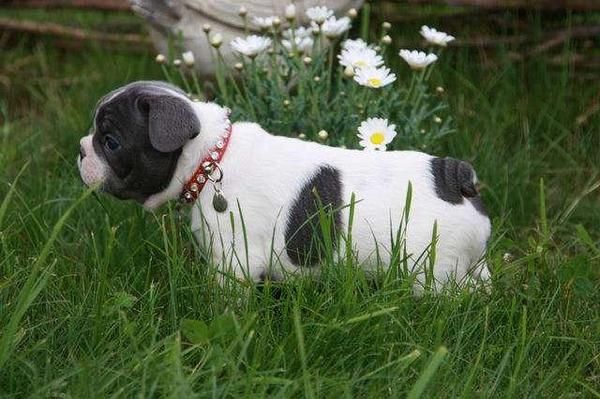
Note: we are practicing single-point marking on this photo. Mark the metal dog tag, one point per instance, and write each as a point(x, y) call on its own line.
point(219, 202)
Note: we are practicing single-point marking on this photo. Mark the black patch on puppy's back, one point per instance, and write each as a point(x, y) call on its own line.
point(455, 180)
point(303, 233)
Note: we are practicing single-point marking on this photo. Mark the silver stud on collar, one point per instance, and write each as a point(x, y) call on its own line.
point(208, 167)
point(194, 187)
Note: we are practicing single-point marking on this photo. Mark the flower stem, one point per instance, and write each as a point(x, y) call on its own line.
point(364, 21)
point(165, 71)
point(188, 88)
point(197, 85)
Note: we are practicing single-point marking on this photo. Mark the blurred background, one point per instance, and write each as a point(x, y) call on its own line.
point(521, 78)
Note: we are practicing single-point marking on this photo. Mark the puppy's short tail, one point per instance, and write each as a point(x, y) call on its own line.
point(454, 179)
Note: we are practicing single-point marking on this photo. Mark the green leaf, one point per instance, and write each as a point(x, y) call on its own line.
point(195, 331)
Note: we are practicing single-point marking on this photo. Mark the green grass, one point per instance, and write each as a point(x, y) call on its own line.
point(99, 298)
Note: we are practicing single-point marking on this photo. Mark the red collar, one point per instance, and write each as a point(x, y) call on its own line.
point(208, 165)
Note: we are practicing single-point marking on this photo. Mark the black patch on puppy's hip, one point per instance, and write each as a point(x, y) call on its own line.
point(455, 180)
point(321, 195)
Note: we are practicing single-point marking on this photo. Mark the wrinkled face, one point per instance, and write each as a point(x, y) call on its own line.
point(136, 139)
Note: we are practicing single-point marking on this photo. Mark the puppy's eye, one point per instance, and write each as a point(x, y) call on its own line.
point(111, 142)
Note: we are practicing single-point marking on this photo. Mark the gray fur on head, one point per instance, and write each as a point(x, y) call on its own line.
point(151, 122)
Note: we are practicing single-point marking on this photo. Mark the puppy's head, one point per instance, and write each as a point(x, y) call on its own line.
point(136, 139)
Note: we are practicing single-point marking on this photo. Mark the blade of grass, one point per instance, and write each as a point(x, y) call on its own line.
point(34, 284)
point(427, 374)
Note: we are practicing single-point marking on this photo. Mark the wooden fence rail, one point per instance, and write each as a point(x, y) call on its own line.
point(107, 5)
point(123, 5)
point(577, 5)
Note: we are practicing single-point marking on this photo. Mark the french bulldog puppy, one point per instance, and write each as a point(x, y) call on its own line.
point(152, 144)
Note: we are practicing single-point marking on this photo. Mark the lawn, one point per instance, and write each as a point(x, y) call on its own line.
point(99, 298)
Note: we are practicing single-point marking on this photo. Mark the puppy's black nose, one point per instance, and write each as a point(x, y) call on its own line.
point(81, 152)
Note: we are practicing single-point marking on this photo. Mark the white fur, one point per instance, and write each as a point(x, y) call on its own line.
point(264, 173)
point(93, 169)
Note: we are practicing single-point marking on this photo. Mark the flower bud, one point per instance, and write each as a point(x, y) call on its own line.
point(276, 22)
point(177, 62)
point(386, 26)
point(290, 12)
point(206, 28)
point(317, 79)
point(352, 13)
point(349, 71)
point(302, 136)
point(440, 90)
point(437, 119)
point(508, 257)
point(286, 103)
point(307, 60)
point(239, 66)
point(161, 59)
point(243, 11)
point(386, 39)
point(188, 58)
point(323, 135)
point(216, 40)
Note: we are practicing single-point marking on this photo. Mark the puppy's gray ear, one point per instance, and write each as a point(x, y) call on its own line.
point(171, 122)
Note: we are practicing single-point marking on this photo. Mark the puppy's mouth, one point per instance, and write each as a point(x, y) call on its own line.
point(78, 161)
point(92, 171)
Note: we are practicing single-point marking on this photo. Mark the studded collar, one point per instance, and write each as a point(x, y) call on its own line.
point(207, 168)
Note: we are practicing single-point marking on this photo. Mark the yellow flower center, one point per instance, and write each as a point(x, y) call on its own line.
point(374, 82)
point(377, 138)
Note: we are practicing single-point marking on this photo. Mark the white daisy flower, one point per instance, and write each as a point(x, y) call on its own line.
point(188, 58)
point(300, 31)
point(264, 22)
point(302, 44)
point(250, 46)
point(360, 58)
point(436, 37)
point(374, 77)
point(319, 14)
point(417, 59)
point(333, 27)
point(354, 44)
point(376, 134)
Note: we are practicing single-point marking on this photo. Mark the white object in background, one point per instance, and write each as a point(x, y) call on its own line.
point(186, 17)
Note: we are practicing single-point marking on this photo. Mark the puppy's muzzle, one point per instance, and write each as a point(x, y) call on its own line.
point(92, 168)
